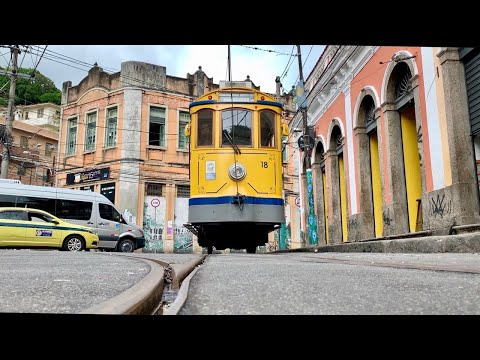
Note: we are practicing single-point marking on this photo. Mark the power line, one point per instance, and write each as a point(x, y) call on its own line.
point(125, 77)
point(311, 47)
point(288, 62)
point(267, 50)
point(38, 62)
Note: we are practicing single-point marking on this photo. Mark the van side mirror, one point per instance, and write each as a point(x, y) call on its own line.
point(285, 131)
point(187, 130)
point(56, 222)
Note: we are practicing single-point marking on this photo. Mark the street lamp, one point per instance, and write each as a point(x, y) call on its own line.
point(40, 157)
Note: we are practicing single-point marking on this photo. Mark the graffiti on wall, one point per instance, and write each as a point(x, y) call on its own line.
point(439, 206)
point(312, 219)
point(182, 237)
point(387, 220)
point(154, 223)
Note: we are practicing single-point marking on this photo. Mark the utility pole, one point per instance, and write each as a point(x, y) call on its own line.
point(9, 120)
point(311, 220)
point(303, 109)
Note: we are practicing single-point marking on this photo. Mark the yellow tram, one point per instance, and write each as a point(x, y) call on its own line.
point(235, 167)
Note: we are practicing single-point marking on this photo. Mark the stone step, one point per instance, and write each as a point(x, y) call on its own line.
point(402, 236)
point(463, 229)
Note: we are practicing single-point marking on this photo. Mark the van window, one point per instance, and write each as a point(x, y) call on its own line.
point(7, 200)
point(108, 212)
point(75, 210)
point(40, 203)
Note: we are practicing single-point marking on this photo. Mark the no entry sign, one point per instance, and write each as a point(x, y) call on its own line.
point(155, 202)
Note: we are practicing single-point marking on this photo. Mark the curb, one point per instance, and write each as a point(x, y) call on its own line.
point(181, 271)
point(140, 299)
point(461, 243)
point(182, 295)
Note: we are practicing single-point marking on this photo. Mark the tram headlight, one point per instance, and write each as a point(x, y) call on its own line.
point(237, 172)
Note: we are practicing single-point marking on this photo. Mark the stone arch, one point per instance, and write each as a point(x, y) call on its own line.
point(370, 198)
point(366, 91)
point(403, 128)
point(319, 149)
point(335, 122)
point(336, 184)
point(320, 196)
point(408, 59)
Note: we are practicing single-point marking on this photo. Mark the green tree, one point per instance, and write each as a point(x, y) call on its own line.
point(30, 91)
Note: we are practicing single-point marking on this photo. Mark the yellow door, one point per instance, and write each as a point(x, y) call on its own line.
point(41, 231)
point(413, 181)
point(12, 227)
point(12, 232)
point(343, 197)
point(376, 184)
point(325, 204)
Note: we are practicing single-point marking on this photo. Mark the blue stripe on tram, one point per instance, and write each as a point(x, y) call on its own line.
point(231, 200)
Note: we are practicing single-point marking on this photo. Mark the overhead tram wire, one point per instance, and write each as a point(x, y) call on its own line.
point(267, 50)
point(303, 65)
point(288, 63)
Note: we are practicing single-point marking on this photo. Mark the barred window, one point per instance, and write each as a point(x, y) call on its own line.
point(90, 131)
point(71, 136)
point(156, 133)
point(153, 189)
point(24, 142)
point(111, 128)
point(285, 149)
point(183, 191)
point(49, 149)
point(184, 119)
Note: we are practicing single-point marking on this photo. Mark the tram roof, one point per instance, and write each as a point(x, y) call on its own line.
point(214, 97)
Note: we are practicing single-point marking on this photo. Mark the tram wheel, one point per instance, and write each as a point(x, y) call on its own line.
point(251, 250)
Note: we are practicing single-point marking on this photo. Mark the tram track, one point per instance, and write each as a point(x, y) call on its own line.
point(396, 264)
point(152, 294)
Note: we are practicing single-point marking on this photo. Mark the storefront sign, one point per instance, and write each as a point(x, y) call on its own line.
point(88, 176)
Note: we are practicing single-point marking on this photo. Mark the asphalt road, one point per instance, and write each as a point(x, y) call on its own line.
point(63, 282)
point(334, 283)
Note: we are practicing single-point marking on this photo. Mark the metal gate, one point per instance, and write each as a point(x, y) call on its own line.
point(471, 60)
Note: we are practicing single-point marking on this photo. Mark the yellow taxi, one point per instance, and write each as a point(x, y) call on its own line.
point(33, 228)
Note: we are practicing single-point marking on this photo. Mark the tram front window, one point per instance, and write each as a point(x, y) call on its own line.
point(205, 128)
point(267, 129)
point(238, 124)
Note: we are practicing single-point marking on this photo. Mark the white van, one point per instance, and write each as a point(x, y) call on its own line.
point(86, 208)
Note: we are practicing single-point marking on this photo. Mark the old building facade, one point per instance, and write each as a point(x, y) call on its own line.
point(32, 153)
point(393, 152)
point(122, 135)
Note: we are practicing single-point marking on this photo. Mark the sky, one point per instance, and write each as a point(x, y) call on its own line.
point(263, 63)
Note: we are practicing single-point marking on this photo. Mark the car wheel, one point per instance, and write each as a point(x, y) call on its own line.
point(73, 243)
point(126, 245)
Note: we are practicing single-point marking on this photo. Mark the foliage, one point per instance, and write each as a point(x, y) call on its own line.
point(30, 91)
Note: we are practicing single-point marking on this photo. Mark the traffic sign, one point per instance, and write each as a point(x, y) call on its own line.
point(155, 202)
point(301, 142)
